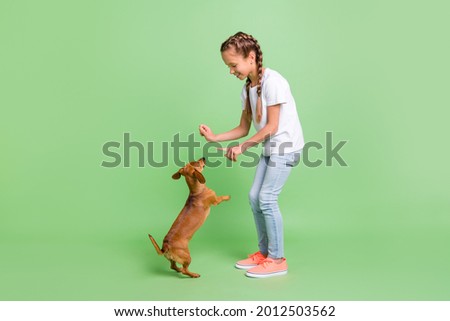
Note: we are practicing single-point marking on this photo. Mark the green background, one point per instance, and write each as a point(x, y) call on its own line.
point(77, 74)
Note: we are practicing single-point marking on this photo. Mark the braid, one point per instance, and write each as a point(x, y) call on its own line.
point(259, 64)
point(248, 108)
point(243, 44)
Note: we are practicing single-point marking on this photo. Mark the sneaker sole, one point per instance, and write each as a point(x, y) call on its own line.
point(244, 267)
point(265, 275)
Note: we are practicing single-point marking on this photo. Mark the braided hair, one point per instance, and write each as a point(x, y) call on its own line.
point(243, 44)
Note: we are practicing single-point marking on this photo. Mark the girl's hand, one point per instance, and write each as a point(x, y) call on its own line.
point(233, 152)
point(206, 132)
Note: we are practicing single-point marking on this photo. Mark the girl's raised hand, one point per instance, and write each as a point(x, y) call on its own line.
point(206, 132)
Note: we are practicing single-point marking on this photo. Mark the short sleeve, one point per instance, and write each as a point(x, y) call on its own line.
point(275, 91)
point(243, 97)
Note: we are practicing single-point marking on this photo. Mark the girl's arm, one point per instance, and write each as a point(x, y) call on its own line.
point(240, 131)
point(273, 116)
point(271, 127)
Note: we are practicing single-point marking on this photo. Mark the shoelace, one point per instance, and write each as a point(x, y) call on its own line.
point(255, 256)
point(266, 262)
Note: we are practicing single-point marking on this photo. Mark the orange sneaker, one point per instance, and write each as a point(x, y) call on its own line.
point(268, 268)
point(252, 261)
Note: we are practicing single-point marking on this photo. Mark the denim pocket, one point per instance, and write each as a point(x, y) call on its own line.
point(293, 160)
point(286, 160)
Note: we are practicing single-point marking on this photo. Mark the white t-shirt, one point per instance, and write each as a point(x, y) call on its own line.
point(275, 90)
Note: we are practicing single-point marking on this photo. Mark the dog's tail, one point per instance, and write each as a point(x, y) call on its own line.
point(158, 250)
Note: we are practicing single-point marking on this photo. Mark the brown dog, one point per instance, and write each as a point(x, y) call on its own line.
point(191, 217)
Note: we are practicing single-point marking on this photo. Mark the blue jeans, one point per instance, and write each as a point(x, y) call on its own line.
point(271, 175)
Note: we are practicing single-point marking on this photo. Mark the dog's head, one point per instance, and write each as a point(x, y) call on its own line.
point(192, 170)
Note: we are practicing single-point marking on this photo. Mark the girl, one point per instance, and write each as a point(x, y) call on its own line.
point(268, 103)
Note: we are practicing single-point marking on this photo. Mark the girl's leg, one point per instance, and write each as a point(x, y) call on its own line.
point(276, 174)
point(253, 197)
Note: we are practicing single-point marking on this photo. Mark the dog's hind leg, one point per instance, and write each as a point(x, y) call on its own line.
point(173, 266)
point(185, 271)
point(186, 262)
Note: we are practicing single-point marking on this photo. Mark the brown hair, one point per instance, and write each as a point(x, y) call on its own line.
point(243, 44)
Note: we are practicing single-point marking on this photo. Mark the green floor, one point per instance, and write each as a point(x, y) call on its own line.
point(325, 263)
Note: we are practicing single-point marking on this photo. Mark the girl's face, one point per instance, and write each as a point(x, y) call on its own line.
point(239, 66)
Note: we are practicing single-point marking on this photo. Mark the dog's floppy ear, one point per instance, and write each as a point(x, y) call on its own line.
point(177, 175)
point(199, 176)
